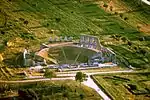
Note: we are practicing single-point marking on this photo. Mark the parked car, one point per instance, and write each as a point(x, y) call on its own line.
point(95, 64)
point(84, 65)
point(51, 66)
point(65, 66)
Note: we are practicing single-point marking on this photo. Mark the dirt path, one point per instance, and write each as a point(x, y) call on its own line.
point(113, 6)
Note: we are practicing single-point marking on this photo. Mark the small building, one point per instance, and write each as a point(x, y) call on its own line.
point(27, 59)
point(36, 69)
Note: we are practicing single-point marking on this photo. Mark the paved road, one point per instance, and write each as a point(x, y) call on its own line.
point(92, 84)
point(124, 71)
point(146, 1)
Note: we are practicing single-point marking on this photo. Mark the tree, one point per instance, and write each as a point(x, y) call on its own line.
point(2, 32)
point(105, 5)
point(81, 96)
point(141, 38)
point(26, 22)
point(143, 51)
point(116, 13)
point(129, 43)
point(121, 15)
point(111, 8)
point(58, 20)
point(124, 39)
point(132, 86)
point(66, 94)
point(80, 77)
point(126, 18)
point(49, 74)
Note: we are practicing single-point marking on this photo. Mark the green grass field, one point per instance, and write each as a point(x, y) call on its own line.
point(54, 90)
point(118, 86)
point(70, 54)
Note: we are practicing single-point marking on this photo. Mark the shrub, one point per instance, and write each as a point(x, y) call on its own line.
point(49, 74)
point(2, 32)
point(121, 15)
point(135, 48)
point(141, 38)
point(116, 13)
point(129, 43)
point(58, 20)
point(111, 8)
point(34, 5)
point(47, 24)
point(143, 51)
point(121, 27)
point(126, 18)
point(124, 39)
point(105, 5)
point(27, 36)
point(132, 87)
point(82, 96)
point(63, 87)
point(80, 77)
point(26, 22)
point(65, 94)
point(21, 19)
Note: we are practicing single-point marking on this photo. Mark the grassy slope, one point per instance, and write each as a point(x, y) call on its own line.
point(67, 17)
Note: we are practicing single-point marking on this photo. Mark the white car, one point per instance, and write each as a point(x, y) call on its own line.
point(84, 65)
point(95, 63)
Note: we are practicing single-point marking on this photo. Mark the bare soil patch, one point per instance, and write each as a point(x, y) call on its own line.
point(113, 6)
point(145, 28)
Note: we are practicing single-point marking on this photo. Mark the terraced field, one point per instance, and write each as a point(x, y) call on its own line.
point(125, 86)
point(27, 24)
point(5, 73)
